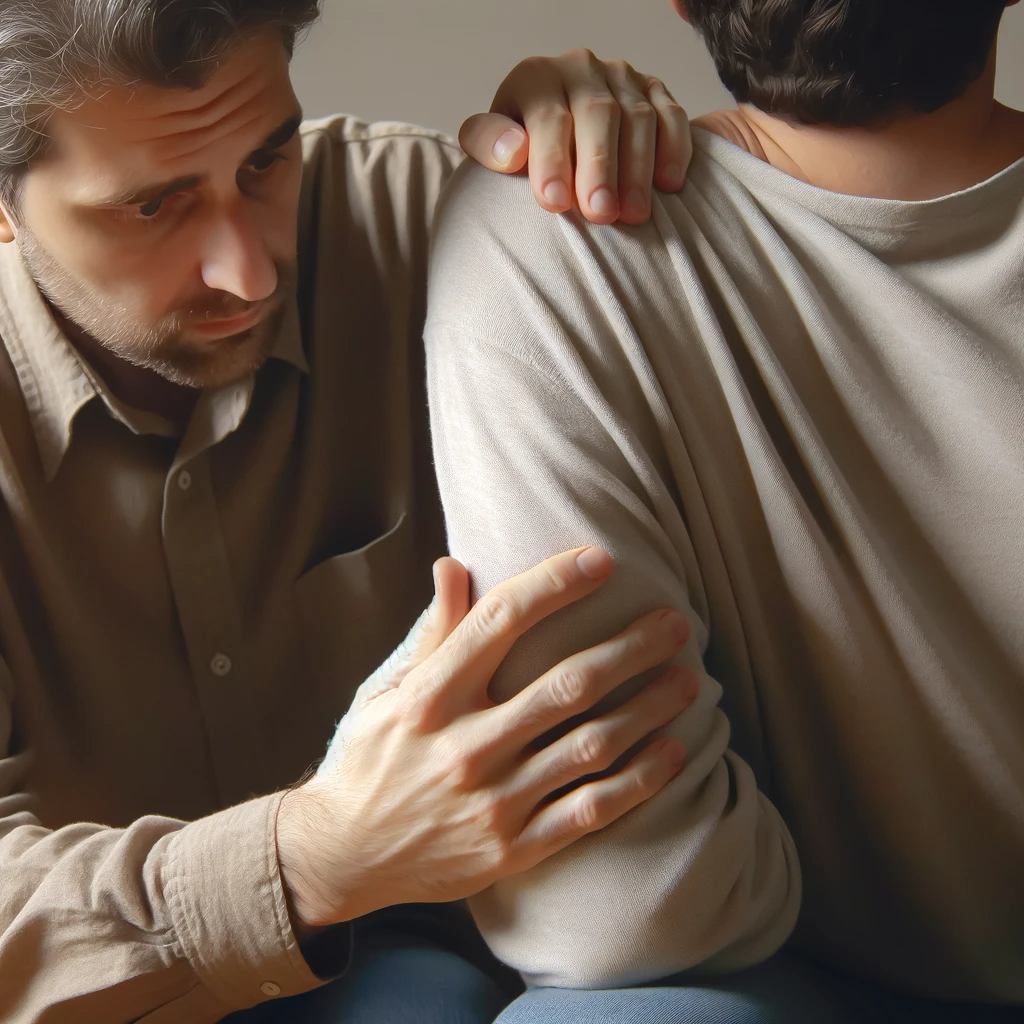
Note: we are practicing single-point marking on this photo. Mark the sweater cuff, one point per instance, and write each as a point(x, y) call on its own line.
point(227, 901)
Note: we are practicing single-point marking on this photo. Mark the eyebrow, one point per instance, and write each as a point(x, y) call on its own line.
point(139, 195)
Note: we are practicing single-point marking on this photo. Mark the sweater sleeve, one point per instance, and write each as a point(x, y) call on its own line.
point(539, 448)
point(161, 921)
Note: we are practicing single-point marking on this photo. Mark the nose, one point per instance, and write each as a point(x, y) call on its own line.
point(236, 259)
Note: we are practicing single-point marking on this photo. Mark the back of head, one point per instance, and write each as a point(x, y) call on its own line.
point(52, 51)
point(847, 62)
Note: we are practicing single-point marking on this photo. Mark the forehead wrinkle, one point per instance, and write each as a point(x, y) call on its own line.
point(151, 107)
point(182, 145)
point(135, 114)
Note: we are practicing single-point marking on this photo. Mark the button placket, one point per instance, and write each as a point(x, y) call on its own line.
point(208, 613)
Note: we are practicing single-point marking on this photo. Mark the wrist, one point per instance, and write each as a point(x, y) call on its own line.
point(309, 905)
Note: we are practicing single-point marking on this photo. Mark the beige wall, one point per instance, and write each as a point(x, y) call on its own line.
point(433, 62)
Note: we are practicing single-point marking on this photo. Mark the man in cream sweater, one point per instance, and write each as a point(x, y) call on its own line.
point(791, 406)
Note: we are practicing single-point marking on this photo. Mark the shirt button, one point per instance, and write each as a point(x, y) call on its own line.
point(220, 665)
point(268, 988)
point(184, 479)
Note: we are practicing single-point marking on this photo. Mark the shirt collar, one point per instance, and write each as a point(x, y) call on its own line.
point(57, 382)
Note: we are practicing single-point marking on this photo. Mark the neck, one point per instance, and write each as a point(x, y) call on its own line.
point(918, 157)
point(136, 386)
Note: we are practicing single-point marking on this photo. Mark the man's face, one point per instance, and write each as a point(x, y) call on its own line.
point(162, 222)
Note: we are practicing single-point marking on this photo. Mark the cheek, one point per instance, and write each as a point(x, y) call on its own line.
point(145, 278)
point(277, 217)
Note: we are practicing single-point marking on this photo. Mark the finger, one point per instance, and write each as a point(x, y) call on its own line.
point(638, 138)
point(481, 641)
point(578, 683)
point(451, 589)
point(675, 146)
point(534, 95)
point(596, 118)
point(496, 142)
point(429, 632)
point(597, 804)
point(595, 746)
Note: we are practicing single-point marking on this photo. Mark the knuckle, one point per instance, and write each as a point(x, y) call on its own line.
point(580, 55)
point(556, 579)
point(495, 814)
point(593, 748)
point(596, 105)
point(552, 116)
point(640, 112)
point(463, 769)
point(413, 707)
point(497, 613)
point(569, 687)
point(528, 67)
point(586, 814)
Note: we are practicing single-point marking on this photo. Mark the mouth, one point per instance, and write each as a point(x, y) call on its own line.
point(215, 330)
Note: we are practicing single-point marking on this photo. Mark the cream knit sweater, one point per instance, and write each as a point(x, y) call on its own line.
point(799, 416)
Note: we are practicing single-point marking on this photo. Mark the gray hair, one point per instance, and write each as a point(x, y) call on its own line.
point(51, 51)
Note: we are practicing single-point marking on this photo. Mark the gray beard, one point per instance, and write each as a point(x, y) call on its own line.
point(158, 346)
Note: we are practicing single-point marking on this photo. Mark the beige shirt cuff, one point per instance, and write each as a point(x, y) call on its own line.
point(223, 885)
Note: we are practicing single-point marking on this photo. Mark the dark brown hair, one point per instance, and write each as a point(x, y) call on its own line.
point(847, 62)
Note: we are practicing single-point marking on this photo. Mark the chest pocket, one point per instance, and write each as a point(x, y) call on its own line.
point(354, 609)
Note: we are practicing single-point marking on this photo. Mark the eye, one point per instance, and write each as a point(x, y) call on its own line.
point(147, 211)
point(264, 160)
point(154, 211)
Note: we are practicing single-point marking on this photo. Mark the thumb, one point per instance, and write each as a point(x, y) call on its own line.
point(449, 607)
point(495, 141)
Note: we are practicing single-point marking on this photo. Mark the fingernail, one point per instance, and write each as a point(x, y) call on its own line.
point(603, 203)
point(677, 626)
point(674, 752)
point(507, 146)
point(557, 194)
point(635, 201)
point(688, 686)
point(674, 175)
point(594, 563)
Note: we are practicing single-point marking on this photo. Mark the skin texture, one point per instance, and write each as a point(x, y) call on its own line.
point(603, 101)
point(161, 225)
point(914, 157)
point(438, 792)
point(140, 287)
point(152, 292)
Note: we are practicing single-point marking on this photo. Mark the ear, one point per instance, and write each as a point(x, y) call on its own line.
point(7, 231)
point(680, 6)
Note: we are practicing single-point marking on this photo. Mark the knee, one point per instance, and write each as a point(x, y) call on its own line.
point(433, 986)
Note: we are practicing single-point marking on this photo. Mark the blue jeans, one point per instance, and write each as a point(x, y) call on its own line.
point(422, 984)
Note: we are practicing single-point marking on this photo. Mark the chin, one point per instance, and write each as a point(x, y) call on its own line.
point(232, 361)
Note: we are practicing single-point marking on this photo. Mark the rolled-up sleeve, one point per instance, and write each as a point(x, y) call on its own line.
point(534, 456)
point(160, 921)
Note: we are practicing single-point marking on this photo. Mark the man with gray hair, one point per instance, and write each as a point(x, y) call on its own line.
point(218, 515)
